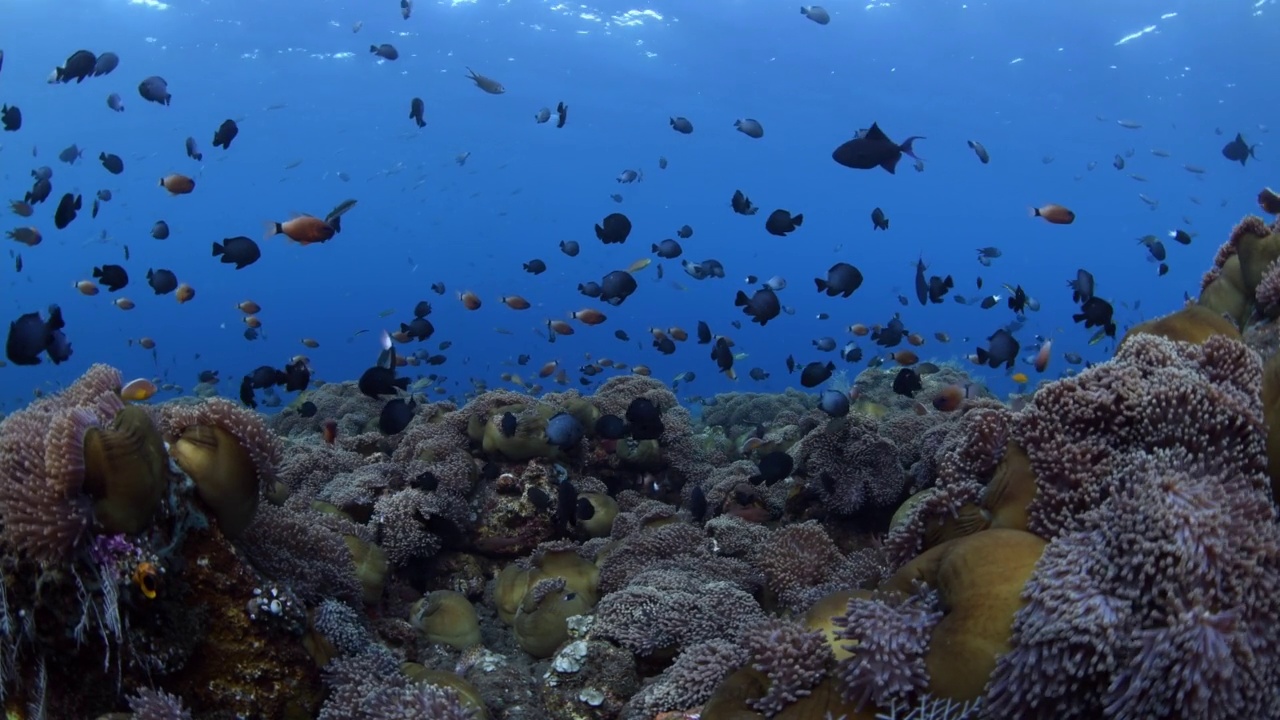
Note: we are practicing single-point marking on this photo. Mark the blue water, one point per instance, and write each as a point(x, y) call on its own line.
point(1028, 82)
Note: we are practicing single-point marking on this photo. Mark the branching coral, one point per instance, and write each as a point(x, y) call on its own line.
point(293, 548)
point(149, 704)
point(689, 681)
point(888, 638)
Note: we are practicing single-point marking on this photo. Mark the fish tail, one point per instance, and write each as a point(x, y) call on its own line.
point(272, 229)
point(822, 284)
point(797, 220)
point(1035, 212)
point(1252, 154)
point(906, 148)
point(218, 249)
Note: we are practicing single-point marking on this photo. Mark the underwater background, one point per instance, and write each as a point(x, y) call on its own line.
point(1031, 86)
point(470, 360)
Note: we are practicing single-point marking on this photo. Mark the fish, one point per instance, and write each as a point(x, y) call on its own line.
point(416, 109)
point(193, 151)
point(978, 149)
point(240, 251)
point(385, 51)
point(741, 204)
point(879, 221)
point(613, 229)
point(782, 222)
point(178, 184)
point(487, 84)
point(816, 373)
point(874, 149)
point(32, 335)
point(562, 114)
point(570, 247)
point(78, 66)
point(155, 89)
point(1002, 349)
point(112, 163)
point(66, 212)
point(815, 13)
point(749, 127)
point(105, 63)
point(304, 230)
point(1238, 150)
point(842, 279)
point(681, 125)
point(161, 281)
point(11, 118)
point(1055, 214)
point(115, 102)
point(225, 133)
point(160, 231)
point(762, 306)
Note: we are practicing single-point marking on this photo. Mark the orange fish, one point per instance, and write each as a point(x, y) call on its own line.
point(1042, 357)
point(329, 431)
point(642, 370)
point(949, 398)
point(138, 389)
point(123, 303)
point(147, 343)
point(915, 339)
point(859, 329)
point(87, 287)
point(249, 307)
point(560, 327)
point(677, 334)
point(905, 357)
point(589, 316)
point(1056, 214)
point(184, 293)
point(1269, 201)
point(470, 300)
point(177, 184)
point(304, 230)
point(549, 368)
point(515, 302)
point(147, 577)
point(252, 321)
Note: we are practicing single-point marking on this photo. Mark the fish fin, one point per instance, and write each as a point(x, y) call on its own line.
point(875, 133)
point(797, 220)
point(741, 299)
point(822, 284)
point(891, 164)
point(272, 228)
point(1035, 212)
point(905, 147)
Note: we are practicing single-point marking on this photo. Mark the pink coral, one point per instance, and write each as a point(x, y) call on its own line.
point(888, 638)
point(793, 659)
point(44, 512)
point(1251, 225)
point(1160, 590)
point(851, 466)
point(1267, 293)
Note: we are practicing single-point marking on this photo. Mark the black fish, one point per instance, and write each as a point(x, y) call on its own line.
point(816, 373)
point(225, 133)
point(562, 114)
point(535, 267)
point(1082, 286)
point(246, 392)
point(66, 211)
point(1002, 349)
point(155, 89)
point(377, 381)
point(416, 108)
point(31, 335)
point(193, 151)
point(681, 125)
point(614, 229)
point(308, 409)
point(208, 376)
point(938, 288)
point(1238, 150)
point(11, 117)
point(873, 149)
point(742, 204)
point(297, 376)
point(508, 424)
point(386, 51)
point(161, 281)
point(610, 427)
point(774, 467)
point(722, 354)
point(240, 251)
point(77, 67)
point(685, 232)
point(616, 287)
point(667, 249)
point(396, 416)
point(570, 247)
point(1096, 312)
point(889, 335)
point(112, 163)
point(704, 333)
point(107, 62)
point(781, 222)
point(842, 279)
point(762, 306)
point(907, 383)
point(922, 285)
point(644, 419)
point(879, 221)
